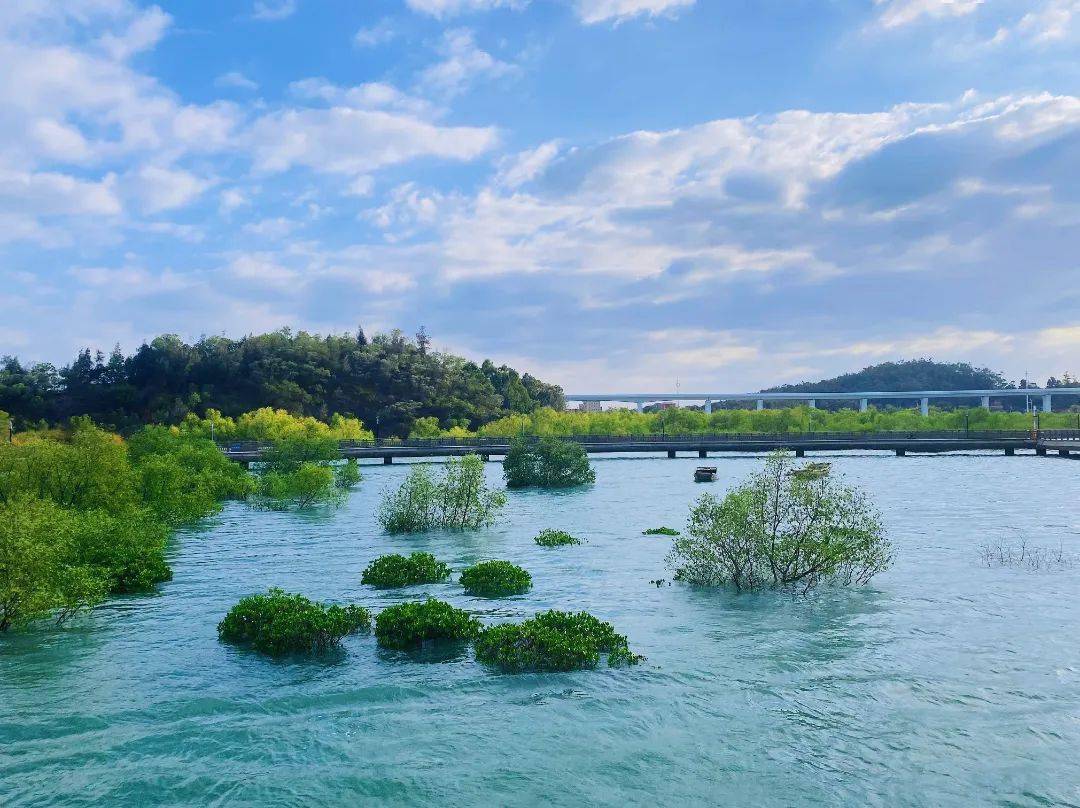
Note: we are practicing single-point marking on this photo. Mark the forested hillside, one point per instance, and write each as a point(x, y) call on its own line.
point(388, 382)
point(914, 374)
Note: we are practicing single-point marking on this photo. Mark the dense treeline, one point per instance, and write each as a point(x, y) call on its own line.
point(387, 382)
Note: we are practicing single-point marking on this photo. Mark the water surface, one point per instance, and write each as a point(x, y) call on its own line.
point(944, 683)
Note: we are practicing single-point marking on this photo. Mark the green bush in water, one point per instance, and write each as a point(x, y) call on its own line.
point(495, 579)
point(459, 500)
point(410, 625)
point(546, 463)
point(303, 473)
point(553, 641)
point(661, 531)
point(280, 623)
point(390, 571)
point(555, 538)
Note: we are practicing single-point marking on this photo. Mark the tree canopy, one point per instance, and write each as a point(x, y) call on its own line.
point(388, 382)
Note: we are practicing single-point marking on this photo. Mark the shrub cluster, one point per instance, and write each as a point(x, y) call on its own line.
point(459, 500)
point(410, 625)
point(84, 514)
point(546, 463)
point(661, 531)
point(495, 579)
point(390, 571)
point(281, 623)
point(553, 641)
point(782, 529)
point(302, 473)
point(555, 538)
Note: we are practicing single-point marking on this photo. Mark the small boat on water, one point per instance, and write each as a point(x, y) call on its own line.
point(705, 474)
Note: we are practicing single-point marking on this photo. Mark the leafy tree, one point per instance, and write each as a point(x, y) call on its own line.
point(781, 528)
point(302, 472)
point(392, 571)
point(459, 500)
point(40, 573)
point(280, 623)
point(553, 641)
point(546, 463)
point(495, 579)
point(411, 625)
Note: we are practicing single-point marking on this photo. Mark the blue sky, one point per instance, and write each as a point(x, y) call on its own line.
point(608, 193)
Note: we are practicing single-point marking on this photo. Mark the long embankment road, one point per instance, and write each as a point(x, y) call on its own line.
point(1063, 442)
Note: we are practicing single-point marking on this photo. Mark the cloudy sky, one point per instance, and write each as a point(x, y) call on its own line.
point(609, 193)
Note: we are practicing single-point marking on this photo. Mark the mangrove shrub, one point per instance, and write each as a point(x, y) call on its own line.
point(553, 641)
point(495, 579)
point(410, 625)
point(303, 472)
point(390, 571)
point(555, 538)
point(459, 500)
point(782, 528)
point(546, 463)
point(281, 623)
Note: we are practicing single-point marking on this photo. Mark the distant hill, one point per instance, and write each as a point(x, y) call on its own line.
point(913, 374)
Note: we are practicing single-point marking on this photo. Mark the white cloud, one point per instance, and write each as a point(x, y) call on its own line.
point(1052, 22)
point(379, 34)
point(273, 10)
point(345, 140)
point(144, 32)
point(463, 62)
point(236, 80)
point(898, 13)
point(451, 8)
point(157, 188)
point(596, 11)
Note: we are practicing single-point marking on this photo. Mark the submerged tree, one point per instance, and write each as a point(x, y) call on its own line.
point(460, 500)
point(546, 463)
point(782, 528)
point(303, 472)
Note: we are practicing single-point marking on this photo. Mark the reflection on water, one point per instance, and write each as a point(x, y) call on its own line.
point(945, 683)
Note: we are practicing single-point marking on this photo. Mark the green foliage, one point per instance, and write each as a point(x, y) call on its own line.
point(40, 572)
point(661, 531)
point(302, 473)
point(280, 623)
point(553, 641)
point(87, 514)
point(547, 463)
point(390, 571)
point(459, 500)
point(390, 376)
point(495, 579)
point(182, 477)
point(410, 625)
point(782, 529)
point(555, 538)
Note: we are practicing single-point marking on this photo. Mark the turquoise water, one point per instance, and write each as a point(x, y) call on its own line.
point(945, 683)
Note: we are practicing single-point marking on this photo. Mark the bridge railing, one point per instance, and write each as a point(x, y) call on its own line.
point(690, 439)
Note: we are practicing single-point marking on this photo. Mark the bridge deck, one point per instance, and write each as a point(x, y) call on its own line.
point(900, 442)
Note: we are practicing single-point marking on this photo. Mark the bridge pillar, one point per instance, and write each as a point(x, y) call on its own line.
point(863, 404)
point(1010, 452)
point(702, 453)
point(1040, 451)
point(761, 404)
point(387, 460)
point(1046, 403)
point(708, 407)
point(811, 403)
point(671, 453)
point(986, 402)
point(1063, 452)
point(800, 452)
point(924, 407)
point(900, 452)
